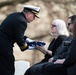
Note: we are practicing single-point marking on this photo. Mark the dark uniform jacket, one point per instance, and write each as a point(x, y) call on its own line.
point(11, 31)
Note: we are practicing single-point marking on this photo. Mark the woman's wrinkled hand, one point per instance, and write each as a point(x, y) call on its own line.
point(51, 59)
point(59, 61)
point(41, 49)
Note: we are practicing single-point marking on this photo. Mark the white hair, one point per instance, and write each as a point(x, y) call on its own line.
point(61, 27)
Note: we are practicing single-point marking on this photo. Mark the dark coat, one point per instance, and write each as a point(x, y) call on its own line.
point(66, 51)
point(70, 60)
point(48, 68)
point(53, 46)
point(62, 51)
point(11, 31)
point(72, 70)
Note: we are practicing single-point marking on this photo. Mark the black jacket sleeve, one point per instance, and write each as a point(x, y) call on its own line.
point(19, 29)
point(71, 57)
point(53, 46)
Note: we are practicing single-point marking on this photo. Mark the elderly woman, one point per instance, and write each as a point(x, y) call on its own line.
point(64, 59)
point(59, 31)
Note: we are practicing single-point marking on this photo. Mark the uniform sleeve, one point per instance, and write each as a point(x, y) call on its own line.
point(19, 29)
point(71, 57)
point(25, 37)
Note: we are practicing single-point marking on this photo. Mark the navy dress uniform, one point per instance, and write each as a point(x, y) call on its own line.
point(12, 31)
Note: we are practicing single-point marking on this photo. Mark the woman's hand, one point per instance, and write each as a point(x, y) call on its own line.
point(49, 52)
point(59, 61)
point(51, 59)
point(41, 49)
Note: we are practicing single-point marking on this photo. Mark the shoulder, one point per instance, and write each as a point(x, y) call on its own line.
point(17, 15)
point(14, 14)
point(62, 37)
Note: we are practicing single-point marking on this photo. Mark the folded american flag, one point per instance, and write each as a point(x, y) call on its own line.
point(36, 43)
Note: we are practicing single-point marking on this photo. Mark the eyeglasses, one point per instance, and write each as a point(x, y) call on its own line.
point(53, 26)
point(69, 24)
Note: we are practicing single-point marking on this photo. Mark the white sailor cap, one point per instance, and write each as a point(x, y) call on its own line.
point(33, 9)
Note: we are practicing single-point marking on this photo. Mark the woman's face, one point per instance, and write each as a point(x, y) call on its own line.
point(53, 29)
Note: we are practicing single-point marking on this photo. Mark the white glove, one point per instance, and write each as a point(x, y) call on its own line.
point(29, 40)
point(31, 48)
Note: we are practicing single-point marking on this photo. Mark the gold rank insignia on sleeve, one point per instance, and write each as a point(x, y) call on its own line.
point(24, 47)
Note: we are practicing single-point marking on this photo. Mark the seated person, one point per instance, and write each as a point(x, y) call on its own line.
point(64, 57)
point(59, 35)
